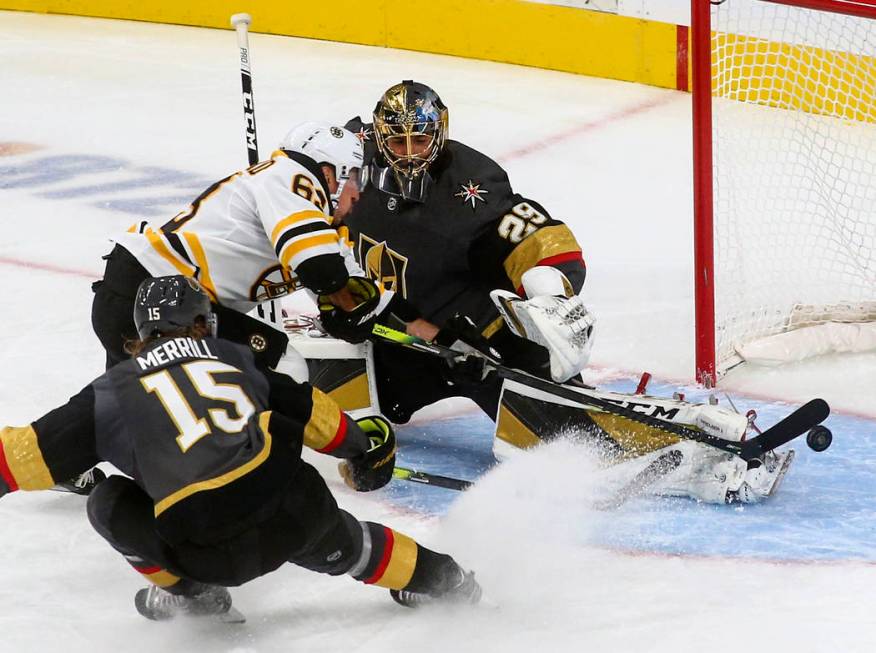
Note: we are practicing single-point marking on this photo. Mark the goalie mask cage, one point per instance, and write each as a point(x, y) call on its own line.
point(784, 117)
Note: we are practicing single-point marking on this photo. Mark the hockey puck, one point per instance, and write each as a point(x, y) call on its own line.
point(819, 438)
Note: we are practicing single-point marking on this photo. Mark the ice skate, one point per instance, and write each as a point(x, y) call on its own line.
point(82, 484)
point(206, 601)
point(465, 591)
point(763, 481)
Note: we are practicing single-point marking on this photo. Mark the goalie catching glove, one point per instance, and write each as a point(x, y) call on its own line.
point(553, 317)
point(355, 324)
point(372, 469)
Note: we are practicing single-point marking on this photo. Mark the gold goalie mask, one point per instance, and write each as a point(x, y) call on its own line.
point(410, 128)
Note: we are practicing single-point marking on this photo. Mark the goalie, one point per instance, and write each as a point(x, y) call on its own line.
point(475, 266)
point(439, 224)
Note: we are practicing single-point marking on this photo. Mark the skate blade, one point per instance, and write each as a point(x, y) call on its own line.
point(233, 616)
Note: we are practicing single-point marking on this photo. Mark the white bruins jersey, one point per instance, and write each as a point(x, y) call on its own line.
point(244, 237)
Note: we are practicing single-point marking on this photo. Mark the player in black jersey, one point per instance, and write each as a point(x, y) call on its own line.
point(218, 493)
point(440, 224)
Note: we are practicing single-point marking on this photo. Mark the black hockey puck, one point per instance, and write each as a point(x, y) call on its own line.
point(819, 438)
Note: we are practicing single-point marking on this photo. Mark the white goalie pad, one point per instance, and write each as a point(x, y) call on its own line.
point(562, 325)
point(528, 416)
point(343, 370)
point(705, 474)
point(717, 421)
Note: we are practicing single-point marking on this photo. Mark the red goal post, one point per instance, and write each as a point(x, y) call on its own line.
point(784, 147)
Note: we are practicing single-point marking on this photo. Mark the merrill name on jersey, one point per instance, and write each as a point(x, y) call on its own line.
point(175, 349)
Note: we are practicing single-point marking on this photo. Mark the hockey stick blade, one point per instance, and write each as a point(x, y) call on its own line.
point(425, 478)
point(656, 470)
point(794, 425)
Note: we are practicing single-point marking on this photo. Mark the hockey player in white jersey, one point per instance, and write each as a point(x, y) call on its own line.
point(255, 235)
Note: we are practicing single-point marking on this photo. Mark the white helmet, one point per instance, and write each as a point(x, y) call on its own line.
point(330, 145)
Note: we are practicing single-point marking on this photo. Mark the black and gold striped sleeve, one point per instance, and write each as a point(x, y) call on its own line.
point(58, 446)
point(327, 429)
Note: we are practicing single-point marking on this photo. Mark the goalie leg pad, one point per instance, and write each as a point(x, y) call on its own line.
point(762, 482)
point(705, 474)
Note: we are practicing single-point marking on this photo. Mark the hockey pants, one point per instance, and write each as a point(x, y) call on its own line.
point(308, 530)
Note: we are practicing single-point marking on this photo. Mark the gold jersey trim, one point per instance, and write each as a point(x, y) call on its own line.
point(201, 259)
point(25, 458)
point(546, 242)
point(290, 220)
point(294, 248)
point(325, 419)
point(158, 245)
point(226, 478)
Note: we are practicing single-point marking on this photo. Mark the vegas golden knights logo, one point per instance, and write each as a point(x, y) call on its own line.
point(383, 265)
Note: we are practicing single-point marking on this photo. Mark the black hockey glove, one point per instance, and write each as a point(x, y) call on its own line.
point(372, 469)
point(354, 325)
point(461, 334)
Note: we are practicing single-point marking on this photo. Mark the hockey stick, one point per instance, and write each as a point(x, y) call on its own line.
point(405, 474)
point(269, 310)
point(241, 23)
point(654, 471)
point(787, 429)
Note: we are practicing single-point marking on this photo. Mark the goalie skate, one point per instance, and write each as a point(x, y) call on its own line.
point(762, 482)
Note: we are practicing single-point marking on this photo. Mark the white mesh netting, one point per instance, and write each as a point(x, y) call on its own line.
point(794, 139)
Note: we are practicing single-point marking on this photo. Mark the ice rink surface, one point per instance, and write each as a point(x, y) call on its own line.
point(105, 122)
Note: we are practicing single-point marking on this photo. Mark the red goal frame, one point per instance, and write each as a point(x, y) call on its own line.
point(701, 46)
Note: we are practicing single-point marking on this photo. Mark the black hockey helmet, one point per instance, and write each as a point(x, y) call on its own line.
point(165, 304)
point(405, 114)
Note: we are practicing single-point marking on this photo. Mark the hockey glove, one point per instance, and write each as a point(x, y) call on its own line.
point(552, 317)
point(354, 325)
point(372, 469)
point(461, 334)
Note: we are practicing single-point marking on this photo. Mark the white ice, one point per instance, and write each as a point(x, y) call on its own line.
point(611, 159)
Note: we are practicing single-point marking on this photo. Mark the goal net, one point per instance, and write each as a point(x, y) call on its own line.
point(785, 179)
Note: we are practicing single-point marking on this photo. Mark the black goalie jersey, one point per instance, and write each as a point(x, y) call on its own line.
point(472, 234)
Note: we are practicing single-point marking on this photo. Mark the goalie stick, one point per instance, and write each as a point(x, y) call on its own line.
point(798, 422)
point(655, 470)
